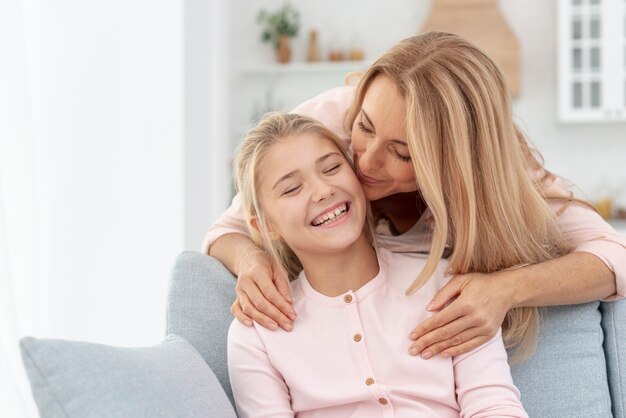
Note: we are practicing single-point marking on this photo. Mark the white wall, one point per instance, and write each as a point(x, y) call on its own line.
point(106, 82)
point(207, 108)
point(591, 155)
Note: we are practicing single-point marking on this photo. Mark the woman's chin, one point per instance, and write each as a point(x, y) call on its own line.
point(374, 193)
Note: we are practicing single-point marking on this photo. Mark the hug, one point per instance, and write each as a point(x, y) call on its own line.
point(392, 241)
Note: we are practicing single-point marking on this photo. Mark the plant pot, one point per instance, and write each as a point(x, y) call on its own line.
point(283, 51)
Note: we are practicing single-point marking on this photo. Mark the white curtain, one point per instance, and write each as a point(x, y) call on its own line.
point(20, 310)
point(15, 398)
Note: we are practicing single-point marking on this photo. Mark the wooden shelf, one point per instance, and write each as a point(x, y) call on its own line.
point(305, 67)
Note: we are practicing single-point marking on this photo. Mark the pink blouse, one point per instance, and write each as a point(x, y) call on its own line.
point(348, 356)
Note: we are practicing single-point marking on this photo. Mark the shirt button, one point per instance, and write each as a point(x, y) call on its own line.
point(382, 401)
point(369, 381)
point(357, 337)
point(347, 298)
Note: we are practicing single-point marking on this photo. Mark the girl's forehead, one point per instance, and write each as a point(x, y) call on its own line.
point(294, 153)
point(296, 147)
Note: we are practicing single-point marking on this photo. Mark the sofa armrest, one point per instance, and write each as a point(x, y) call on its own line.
point(198, 309)
point(614, 326)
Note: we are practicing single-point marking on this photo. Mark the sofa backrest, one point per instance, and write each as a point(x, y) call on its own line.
point(567, 376)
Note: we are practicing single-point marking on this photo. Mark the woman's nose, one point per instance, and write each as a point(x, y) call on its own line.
point(370, 159)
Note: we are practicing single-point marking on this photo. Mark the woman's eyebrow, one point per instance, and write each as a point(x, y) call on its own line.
point(367, 117)
point(395, 141)
point(399, 142)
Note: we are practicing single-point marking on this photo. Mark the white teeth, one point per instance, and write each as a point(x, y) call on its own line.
point(331, 216)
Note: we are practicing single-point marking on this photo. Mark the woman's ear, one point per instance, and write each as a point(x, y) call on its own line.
point(272, 235)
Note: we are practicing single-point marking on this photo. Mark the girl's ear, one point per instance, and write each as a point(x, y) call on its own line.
point(273, 235)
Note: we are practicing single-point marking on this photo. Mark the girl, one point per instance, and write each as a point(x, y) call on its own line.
point(345, 356)
point(444, 165)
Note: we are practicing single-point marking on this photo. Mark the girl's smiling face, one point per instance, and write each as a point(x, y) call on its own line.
point(310, 196)
point(379, 142)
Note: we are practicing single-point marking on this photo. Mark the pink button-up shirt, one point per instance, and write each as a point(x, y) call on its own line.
point(348, 356)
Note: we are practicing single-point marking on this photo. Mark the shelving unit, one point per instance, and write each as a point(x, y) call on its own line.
point(274, 86)
point(305, 68)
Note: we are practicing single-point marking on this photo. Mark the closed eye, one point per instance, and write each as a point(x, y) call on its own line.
point(291, 190)
point(332, 169)
point(398, 155)
point(364, 128)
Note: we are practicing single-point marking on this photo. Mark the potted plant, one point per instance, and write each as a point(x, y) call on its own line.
point(278, 28)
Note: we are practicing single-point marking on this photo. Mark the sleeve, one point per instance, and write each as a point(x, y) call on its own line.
point(232, 221)
point(585, 230)
point(258, 388)
point(330, 108)
point(484, 386)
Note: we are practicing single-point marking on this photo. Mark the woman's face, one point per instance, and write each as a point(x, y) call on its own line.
point(379, 142)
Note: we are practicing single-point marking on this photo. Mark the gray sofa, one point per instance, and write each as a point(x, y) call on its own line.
point(579, 369)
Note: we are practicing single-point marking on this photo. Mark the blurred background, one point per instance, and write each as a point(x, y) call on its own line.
point(118, 121)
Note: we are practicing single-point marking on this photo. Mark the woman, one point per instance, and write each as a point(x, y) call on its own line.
point(345, 356)
point(433, 139)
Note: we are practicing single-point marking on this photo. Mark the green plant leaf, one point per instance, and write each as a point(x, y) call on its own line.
point(284, 21)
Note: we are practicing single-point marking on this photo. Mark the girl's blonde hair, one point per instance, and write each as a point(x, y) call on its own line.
point(272, 128)
point(471, 165)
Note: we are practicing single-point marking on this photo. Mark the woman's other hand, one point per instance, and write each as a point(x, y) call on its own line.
point(471, 308)
point(263, 293)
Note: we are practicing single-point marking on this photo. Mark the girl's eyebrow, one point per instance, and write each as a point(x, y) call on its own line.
point(395, 141)
point(293, 173)
point(326, 156)
point(285, 177)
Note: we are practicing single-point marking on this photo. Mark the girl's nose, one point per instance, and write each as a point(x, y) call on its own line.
point(322, 190)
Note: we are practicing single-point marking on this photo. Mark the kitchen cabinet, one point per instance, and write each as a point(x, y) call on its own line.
point(592, 60)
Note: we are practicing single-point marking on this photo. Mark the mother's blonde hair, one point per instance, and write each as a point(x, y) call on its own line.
point(272, 128)
point(471, 165)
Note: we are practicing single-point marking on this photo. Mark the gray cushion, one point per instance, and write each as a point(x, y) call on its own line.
point(566, 376)
point(614, 325)
point(198, 309)
point(78, 379)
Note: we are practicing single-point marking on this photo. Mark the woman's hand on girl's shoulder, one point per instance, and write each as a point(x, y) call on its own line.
point(470, 310)
point(263, 294)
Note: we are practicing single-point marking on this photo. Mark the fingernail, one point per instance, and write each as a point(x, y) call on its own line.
point(414, 336)
point(247, 322)
point(430, 306)
point(414, 351)
point(292, 316)
point(287, 327)
point(445, 355)
point(272, 326)
point(426, 355)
